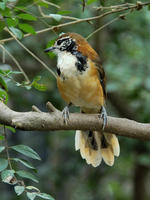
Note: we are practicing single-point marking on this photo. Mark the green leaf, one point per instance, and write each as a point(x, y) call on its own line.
point(3, 96)
point(19, 189)
point(4, 72)
point(27, 151)
point(27, 175)
point(11, 22)
point(3, 164)
point(18, 8)
point(8, 176)
point(148, 7)
point(6, 12)
point(57, 17)
point(43, 4)
point(3, 84)
point(38, 86)
point(15, 72)
point(11, 129)
point(2, 5)
point(24, 162)
point(1, 148)
point(37, 78)
point(16, 32)
point(45, 196)
point(27, 17)
point(31, 195)
point(27, 28)
point(33, 189)
point(49, 44)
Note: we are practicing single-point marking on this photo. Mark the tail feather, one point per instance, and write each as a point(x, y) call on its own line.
point(77, 140)
point(113, 141)
point(94, 155)
point(108, 155)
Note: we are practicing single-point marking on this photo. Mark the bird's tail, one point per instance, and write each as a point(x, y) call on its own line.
point(95, 146)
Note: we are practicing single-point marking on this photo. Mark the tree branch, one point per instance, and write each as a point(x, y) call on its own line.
point(137, 6)
point(37, 120)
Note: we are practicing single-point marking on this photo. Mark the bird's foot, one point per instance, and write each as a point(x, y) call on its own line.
point(103, 115)
point(65, 114)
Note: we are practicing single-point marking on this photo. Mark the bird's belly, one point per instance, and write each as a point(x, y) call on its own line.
point(82, 91)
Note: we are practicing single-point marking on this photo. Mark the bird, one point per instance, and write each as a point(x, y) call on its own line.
point(81, 82)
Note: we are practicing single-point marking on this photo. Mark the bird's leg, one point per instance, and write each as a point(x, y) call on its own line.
point(65, 113)
point(103, 115)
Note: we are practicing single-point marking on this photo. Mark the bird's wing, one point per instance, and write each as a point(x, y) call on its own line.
point(102, 76)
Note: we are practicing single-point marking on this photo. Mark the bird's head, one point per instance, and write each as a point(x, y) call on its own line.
point(63, 43)
point(70, 42)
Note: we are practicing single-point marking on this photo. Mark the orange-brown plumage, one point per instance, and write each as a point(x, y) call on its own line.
point(84, 91)
point(81, 82)
point(87, 87)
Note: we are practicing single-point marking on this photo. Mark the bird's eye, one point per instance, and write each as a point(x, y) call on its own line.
point(59, 42)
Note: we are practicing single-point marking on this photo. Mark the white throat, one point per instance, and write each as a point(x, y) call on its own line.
point(66, 63)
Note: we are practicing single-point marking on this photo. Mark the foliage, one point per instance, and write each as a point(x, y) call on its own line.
point(15, 177)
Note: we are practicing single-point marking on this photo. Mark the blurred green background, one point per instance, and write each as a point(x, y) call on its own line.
point(124, 48)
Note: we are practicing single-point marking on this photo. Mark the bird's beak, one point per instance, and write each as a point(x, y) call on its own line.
point(49, 49)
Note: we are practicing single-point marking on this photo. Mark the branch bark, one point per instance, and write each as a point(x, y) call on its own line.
point(37, 120)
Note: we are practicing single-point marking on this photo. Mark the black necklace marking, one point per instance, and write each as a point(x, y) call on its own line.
point(58, 71)
point(81, 63)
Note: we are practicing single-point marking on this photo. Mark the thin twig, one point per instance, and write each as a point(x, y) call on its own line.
point(6, 147)
point(101, 8)
point(101, 27)
point(31, 53)
point(105, 25)
point(44, 1)
point(16, 62)
point(49, 16)
point(50, 107)
point(135, 6)
point(51, 4)
point(35, 109)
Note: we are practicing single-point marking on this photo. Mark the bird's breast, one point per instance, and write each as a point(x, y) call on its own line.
point(81, 89)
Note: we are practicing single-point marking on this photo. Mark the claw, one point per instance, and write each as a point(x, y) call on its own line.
point(103, 115)
point(65, 114)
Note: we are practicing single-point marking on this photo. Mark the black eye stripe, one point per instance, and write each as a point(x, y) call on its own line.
point(61, 40)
